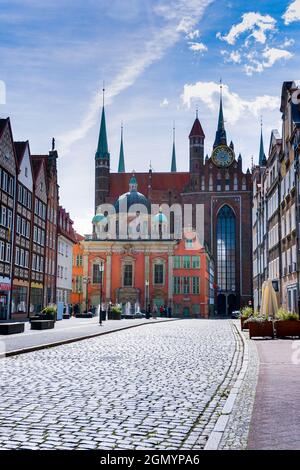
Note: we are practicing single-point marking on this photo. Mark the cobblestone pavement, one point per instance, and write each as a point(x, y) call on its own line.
point(156, 387)
point(236, 433)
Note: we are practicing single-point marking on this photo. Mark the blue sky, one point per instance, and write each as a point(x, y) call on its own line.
point(160, 60)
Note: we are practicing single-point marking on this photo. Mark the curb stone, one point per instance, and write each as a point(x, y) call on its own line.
point(215, 437)
point(30, 349)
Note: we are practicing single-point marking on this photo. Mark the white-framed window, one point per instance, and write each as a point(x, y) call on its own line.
point(3, 216)
point(8, 252)
point(2, 250)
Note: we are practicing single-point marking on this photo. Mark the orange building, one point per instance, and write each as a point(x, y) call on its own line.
point(153, 273)
point(77, 271)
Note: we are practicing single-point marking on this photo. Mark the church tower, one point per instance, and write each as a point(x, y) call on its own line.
point(121, 166)
point(221, 138)
point(102, 163)
point(262, 155)
point(197, 138)
point(173, 163)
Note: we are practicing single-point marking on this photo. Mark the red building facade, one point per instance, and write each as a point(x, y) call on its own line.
point(218, 184)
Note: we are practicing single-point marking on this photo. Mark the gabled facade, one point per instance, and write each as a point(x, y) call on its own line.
point(22, 252)
point(8, 176)
point(39, 235)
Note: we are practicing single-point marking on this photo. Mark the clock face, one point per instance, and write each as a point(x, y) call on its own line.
point(223, 156)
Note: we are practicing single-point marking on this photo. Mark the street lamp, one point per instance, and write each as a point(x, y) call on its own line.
point(101, 269)
point(147, 300)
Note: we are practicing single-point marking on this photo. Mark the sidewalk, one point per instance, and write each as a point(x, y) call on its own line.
point(275, 422)
point(65, 331)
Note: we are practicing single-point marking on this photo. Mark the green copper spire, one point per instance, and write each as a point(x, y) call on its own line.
point(221, 138)
point(102, 149)
point(173, 165)
point(262, 155)
point(121, 168)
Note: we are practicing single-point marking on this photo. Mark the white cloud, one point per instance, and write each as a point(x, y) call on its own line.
point(269, 57)
point(234, 56)
point(287, 43)
point(255, 23)
point(198, 47)
point(193, 35)
point(209, 94)
point(165, 103)
point(292, 13)
point(272, 55)
point(181, 16)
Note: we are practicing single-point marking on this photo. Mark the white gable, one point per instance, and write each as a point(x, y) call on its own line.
point(25, 176)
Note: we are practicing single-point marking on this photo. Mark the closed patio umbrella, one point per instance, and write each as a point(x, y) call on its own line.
point(269, 304)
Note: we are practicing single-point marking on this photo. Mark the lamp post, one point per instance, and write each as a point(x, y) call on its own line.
point(147, 299)
point(101, 269)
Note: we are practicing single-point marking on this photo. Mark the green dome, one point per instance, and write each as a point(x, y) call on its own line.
point(160, 218)
point(98, 218)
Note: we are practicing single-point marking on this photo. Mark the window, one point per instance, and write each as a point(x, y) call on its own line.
point(79, 260)
point(226, 246)
point(4, 181)
point(3, 216)
point(9, 218)
point(177, 263)
point(186, 262)
point(11, 186)
point(186, 285)
point(34, 261)
point(8, 253)
point(2, 250)
point(21, 257)
point(26, 259)
point(29, 200)
point(159, 273)
point(17, 260)
point(28, 229)
point(195, 262)
point(97, 274)
point(128, 275)
point(24, 196)
point(26, 171)
point(20, 193)
point(195, 285)
point(176, 285)
point(24, 227)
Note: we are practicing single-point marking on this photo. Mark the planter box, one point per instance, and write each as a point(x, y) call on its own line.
point(45, 316)
point(84, 315)
point(42, 324)
point(11, 328)
point(287, 328)
point(261, 329)
point(243, 325)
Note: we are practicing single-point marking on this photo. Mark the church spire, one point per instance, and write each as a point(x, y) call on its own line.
point(174, 165)
point(262, 155)
point(221, 138)
point(102, 149)
point(121, 168)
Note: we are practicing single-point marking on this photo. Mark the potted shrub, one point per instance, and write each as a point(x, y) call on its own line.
point(260, 326)
point(48, 313)
point(115, 313)
point(287, 324)
point(247, 312)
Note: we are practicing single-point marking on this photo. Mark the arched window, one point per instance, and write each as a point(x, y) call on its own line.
point(211, 186)
point(219, 182)
point(235, 184)
point(203, 183)
point(226, 247)
point(244, 187)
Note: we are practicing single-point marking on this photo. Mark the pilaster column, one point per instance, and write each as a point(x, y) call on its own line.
point(108, 278)
point(147, 278)
point(170, 279)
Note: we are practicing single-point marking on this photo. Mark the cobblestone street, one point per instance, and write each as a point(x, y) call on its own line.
point(160, 386)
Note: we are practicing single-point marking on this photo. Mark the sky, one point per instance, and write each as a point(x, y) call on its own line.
point(160, 60)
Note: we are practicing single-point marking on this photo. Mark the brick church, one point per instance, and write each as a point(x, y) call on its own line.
point(216, 181)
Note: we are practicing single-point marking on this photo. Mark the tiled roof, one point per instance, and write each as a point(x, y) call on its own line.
point(119, 182)
point(197, 130)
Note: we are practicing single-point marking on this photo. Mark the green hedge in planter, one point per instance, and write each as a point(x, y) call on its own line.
point(287, 324)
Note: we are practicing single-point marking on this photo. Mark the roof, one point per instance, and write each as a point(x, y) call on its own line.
point(37, 161)
point(197, 130)
point(20, 148)
point(159, 181)
point(102, 149)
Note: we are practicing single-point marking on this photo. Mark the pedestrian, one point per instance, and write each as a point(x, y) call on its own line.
point(155, 310)
point(161, 310)
point(169, 311)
